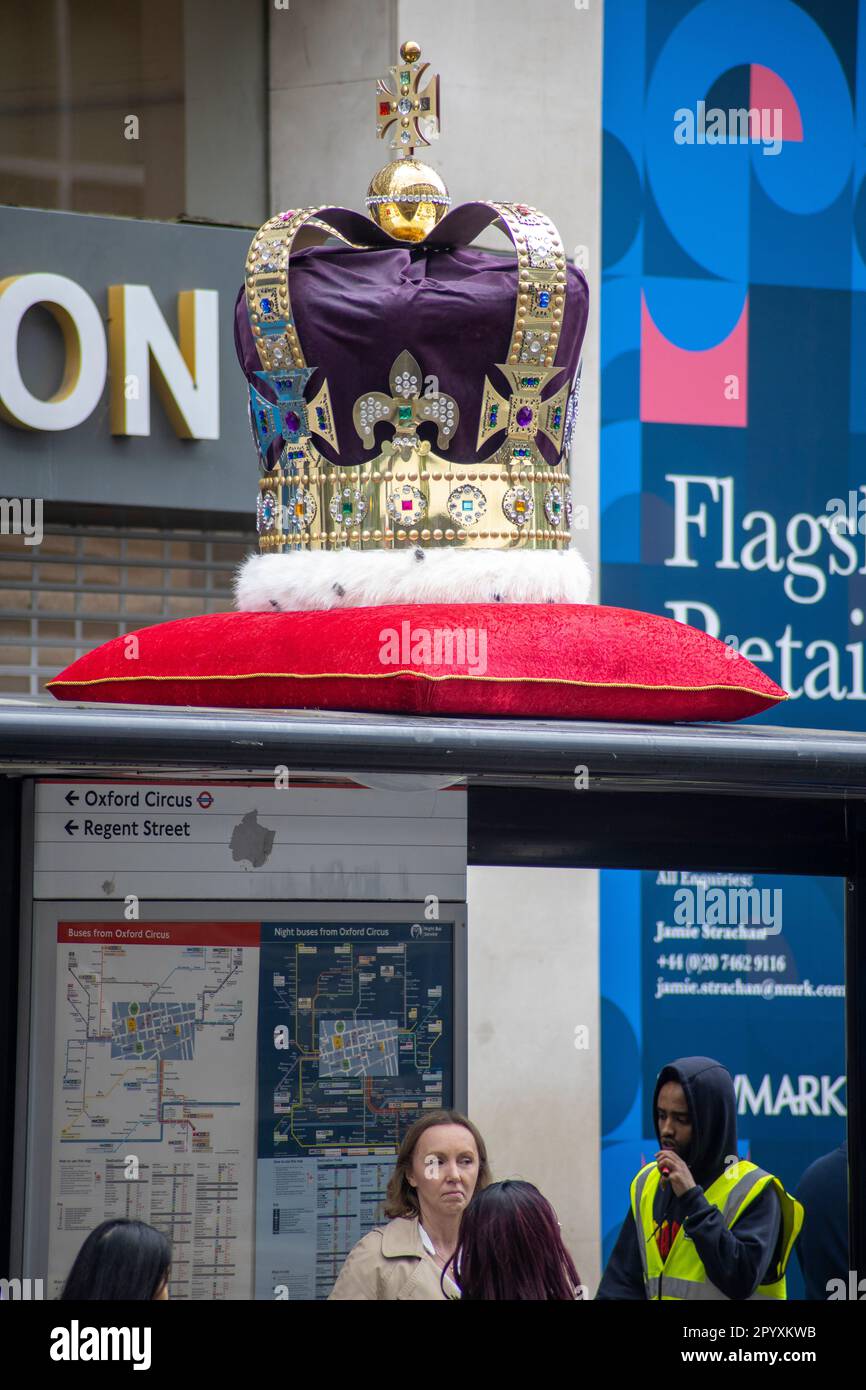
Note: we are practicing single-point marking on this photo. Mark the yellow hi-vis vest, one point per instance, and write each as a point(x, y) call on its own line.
point(682, 1274)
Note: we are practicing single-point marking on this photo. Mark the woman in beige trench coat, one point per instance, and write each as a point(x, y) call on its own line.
point(441, 1162)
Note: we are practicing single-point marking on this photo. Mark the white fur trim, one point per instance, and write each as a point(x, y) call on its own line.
point(317, 579)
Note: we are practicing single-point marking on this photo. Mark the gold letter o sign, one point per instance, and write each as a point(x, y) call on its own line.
point(86, 354)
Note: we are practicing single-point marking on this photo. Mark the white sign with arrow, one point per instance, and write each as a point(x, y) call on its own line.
point(247, 841)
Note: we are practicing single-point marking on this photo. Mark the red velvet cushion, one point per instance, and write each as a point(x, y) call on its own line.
point(538, 660)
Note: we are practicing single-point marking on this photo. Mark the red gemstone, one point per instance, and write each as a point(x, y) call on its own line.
point(384, 108)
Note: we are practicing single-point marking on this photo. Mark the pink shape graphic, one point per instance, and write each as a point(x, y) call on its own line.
point(768, 93)
point(681, 387)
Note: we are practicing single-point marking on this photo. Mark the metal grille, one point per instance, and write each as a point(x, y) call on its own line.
point(85, 584)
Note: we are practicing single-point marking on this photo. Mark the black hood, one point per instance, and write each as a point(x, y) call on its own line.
point(712, 1104)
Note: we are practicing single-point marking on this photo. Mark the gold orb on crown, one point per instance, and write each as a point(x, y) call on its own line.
point(406, 199)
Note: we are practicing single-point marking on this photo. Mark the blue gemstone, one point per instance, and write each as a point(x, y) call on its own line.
point(543, 299)
point(266, 305)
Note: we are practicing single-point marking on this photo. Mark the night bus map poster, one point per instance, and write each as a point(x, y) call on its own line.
point(355, 1042)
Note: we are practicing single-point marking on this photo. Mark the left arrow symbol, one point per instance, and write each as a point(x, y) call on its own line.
point(70, 827)
point(71, 797)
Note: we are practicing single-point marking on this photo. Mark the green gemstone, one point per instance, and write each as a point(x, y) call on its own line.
point(347, 509)
point(404, 412)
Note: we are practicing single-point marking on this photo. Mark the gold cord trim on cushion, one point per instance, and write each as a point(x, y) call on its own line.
point(423, 675)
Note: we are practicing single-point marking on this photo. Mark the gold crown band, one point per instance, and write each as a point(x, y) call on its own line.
point(413, 496)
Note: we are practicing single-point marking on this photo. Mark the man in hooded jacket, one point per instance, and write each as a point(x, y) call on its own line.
point(723, 1229)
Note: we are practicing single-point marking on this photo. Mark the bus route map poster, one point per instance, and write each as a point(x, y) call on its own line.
point(243, 1087)
point(154, 1094)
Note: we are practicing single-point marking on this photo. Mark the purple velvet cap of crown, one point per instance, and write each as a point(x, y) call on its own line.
point(452, 308)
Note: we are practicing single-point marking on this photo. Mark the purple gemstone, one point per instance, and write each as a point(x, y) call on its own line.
point(524, 416)
point(293, 422)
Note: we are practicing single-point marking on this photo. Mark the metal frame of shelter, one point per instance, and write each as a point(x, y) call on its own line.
point(698, 796)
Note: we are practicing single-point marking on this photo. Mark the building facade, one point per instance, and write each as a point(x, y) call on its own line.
point(138, 150)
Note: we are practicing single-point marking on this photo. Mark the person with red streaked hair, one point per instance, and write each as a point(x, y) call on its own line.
point(510, 1248)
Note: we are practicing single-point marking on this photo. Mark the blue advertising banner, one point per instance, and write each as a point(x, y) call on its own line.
point(733, 498)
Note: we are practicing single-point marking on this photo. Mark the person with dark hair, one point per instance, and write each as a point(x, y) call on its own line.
point(510, 1247)
point(822, 1249)
point(120, 1260)
point(702, 1224)
point(441, 1163)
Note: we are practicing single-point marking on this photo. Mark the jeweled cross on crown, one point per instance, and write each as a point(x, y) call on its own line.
point(404, 106)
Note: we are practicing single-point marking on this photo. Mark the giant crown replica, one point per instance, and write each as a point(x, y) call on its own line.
point(412, 401)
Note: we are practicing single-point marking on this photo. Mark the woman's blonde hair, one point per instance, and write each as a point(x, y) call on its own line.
point(401, 1198)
